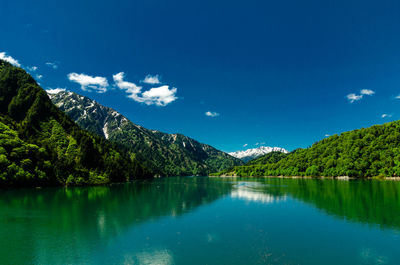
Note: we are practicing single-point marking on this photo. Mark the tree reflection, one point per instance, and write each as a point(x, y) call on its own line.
point(371, 202)
point(32, 219)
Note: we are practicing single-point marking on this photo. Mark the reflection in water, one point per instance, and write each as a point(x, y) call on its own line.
point(178, 220)
point(253, 191)
point(159, 257)
point(371, 202)
point(33, 219)
point(370, 256)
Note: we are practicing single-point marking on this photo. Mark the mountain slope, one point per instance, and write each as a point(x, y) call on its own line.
point(166, 154)
point(271, 157)
point(40, 145)
point(368, 152)
point(250, 154)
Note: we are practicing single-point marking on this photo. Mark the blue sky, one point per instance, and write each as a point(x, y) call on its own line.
point(282, 73)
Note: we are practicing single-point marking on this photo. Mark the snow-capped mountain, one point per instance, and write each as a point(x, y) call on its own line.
point(167, 154)
point(253, 153)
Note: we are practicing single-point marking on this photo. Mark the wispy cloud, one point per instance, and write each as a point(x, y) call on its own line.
point(354, 97)
point(327, 135)
point(385, 115)
point(152, 79)
point(32, 68)
point(160, 96)
point(212, 114)
point(397, 97)
point(97, 83)
point(368, 92)
point(245, 145)
point(9, 59)
point(53, 65)
point(55, 90)
point(131, 88)
point(39, 77)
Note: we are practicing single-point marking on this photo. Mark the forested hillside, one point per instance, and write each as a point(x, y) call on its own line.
point(272, 157)
point(165, 154)
point(40, 145)
point(367, 152)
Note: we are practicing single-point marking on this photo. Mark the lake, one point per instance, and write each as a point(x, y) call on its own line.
point(200, 220)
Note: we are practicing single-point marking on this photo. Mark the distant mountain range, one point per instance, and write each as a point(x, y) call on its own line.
point(163, 153)
point(253, 153)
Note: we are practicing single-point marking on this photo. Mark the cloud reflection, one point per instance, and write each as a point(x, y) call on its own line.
point(249, 193)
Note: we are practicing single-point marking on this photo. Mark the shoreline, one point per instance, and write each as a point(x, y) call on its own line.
point(310, 177)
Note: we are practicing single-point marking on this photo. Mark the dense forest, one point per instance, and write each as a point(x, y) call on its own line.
point(367, 152)
point(272, 157)
point(40, 145)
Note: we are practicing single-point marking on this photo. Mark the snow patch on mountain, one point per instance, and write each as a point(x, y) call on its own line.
point(253, 153)
point(105, 130)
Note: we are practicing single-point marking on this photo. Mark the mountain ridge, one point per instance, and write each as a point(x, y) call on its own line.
point(254, 153)
point(166, 154)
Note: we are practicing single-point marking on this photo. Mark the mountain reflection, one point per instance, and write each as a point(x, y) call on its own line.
point(253, 192)
point(369, 202)
point(95, 214)
point(78, 225)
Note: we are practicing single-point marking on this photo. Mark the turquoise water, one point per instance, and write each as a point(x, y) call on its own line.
point(203, 220)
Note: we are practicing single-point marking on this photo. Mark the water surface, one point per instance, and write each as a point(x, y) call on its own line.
point(201, 220)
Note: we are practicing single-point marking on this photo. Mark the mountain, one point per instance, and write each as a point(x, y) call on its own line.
point(40, 145)
point(250, 154)
point(166, 154)
point(367, 152)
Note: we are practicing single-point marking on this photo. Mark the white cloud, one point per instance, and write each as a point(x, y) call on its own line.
point(397, 97)
point(98, 83)
point(130, 88)
point(160, 96)
point(52, 65)
point(327, 135)
point(386, 115)
point(245, 145)
point(353, 97)
point(368, 92)
point(212, 114)
point(32, 68)
point(9, 59)
point(39, 76)
point(152, 79)
point(54, 90)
